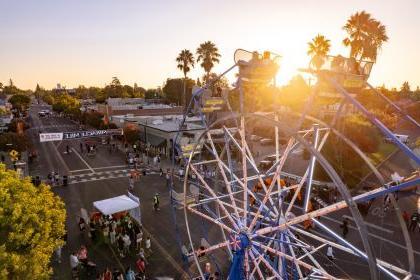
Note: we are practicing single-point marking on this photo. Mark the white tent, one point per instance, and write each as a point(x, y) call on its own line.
point(115, 204)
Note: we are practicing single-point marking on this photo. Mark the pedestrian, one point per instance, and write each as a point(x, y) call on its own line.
point(56, 178)
point(92, 231)
point(82, 224)
point(160, 172)
point(148, 245)
point(345, 227)
point(141, 266)
point(120, 243)
point(127, 243)
point(81, 147)
point(74, 262)
point(330, 254)
point(413, 221)
point(105, 232)
point(112, 234)
point(58, 253)
point(67, 149)
point(131, 183)
point(406, 217)
point(107, 274)
point(129, 274)
point(156, 202)
point(139, 238)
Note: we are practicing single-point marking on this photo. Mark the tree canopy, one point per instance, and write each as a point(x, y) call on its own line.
point(20, 101)
point(31, 227)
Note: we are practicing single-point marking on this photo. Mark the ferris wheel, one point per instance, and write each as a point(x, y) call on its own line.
point(263, 221)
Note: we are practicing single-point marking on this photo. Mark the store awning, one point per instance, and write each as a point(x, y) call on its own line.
point(115, 204)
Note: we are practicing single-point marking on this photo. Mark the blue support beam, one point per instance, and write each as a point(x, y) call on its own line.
point(375, 121)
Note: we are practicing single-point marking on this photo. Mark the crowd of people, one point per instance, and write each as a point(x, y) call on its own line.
point(124, 235)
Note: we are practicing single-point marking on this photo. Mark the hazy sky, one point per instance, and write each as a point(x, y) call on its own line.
point(87, 42)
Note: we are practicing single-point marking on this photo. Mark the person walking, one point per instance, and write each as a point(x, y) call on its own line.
point(58, 253)
point(74, 262)
point(131, 183)
point(112, 235)
point(156, 202)
point(139, 238)
point(127, 243)
point(406, 217)
point(413, 221)
point(148, 245)
point(345, 227)
point(330, 254)
point(129, 274)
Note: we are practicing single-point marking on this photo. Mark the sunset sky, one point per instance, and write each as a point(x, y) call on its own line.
point(83, 42)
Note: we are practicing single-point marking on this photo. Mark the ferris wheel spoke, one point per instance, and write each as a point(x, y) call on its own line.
point(244, 169)
point(301, 263)
point(307, 172)
point(215, 196)
point(222, 171)
point(292, 252)
point(266, 263)
point(256, 262)
point(248, 191)
point(213, 220)
point(272, 184)
point(357, 251)
point(347, 249)
point(248, 153)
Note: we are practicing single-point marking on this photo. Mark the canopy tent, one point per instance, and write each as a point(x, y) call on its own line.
point(115, 204)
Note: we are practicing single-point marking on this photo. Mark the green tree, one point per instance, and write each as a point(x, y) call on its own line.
point(208, 54)
point(173, 90)
point(20, 102)
point(405, 88)
point(39, 91)
point(318, 49)
point(185, 61)
point(366, 36)
point(32, 224)
point(11, 89)
point(12, 140)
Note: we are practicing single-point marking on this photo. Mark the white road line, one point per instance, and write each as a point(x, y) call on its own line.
point(96, 179)
point(372, 225)
point(88, 166)
point(109, 167)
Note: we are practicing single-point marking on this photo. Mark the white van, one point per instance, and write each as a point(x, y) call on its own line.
point(402, 137)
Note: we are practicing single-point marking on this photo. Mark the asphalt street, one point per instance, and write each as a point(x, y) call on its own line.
point(105, 175)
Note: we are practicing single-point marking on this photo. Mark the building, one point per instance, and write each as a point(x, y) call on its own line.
point(158, 132)
point(135, 107)
point(6, 115)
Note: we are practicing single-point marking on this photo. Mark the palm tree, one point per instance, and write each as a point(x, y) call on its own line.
point(318, 50)
point(185, 61)
point(365, 36)
point(208, 54)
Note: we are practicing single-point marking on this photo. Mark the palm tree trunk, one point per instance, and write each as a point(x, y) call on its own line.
point(184, 95)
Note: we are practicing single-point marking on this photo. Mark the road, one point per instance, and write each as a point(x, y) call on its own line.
point(105, 176)
point(98, 178)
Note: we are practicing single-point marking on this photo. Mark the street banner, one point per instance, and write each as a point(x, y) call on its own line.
point(58, 136)
point(91, 133)
point(47, 137)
